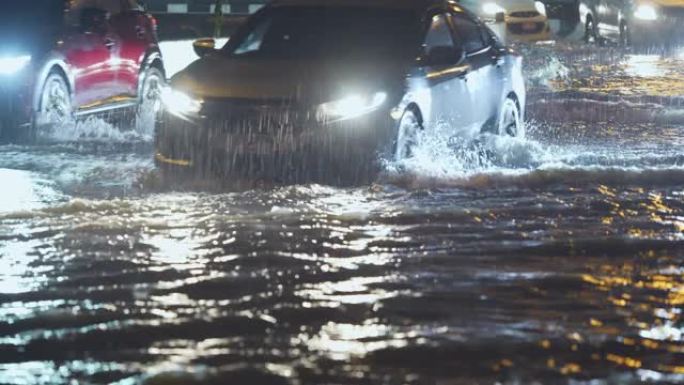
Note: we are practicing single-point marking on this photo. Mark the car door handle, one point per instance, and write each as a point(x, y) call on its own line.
point(140, 32)
point(456, 72)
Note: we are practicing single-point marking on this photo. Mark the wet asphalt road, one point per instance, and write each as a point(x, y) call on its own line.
point(557, 259)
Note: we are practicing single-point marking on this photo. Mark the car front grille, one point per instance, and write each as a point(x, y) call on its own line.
point(517, 28)
point(246, 117)
point(524, 14)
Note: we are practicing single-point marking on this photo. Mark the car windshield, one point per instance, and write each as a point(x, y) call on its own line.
point(297, 32)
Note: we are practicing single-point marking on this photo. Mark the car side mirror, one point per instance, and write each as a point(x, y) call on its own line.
point(443, 56)
point(500, 17)
point(94, 20)
point(204, 47)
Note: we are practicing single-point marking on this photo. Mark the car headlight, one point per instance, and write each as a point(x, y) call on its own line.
point(646, 12)
point(491, 9)
point(541, 8)
point(179, 103)
point(13, 64)
point(352, 106)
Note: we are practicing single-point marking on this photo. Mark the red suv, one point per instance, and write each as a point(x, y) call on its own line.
point(62, 59)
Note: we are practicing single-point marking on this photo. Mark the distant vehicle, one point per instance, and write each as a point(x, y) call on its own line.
point(565, 10)
point(648, 22)
point(62, 59)
point(523, 20)
point(297, 88)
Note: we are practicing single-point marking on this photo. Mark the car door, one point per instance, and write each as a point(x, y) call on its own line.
point(119, 37)
point(90, 51)
point(484, 86)
point(450, 100)
point(608, 11)
point(133, 26)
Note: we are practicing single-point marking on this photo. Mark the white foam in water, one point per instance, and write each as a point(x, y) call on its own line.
point(542, 75)
point(145, 122)
point(97, 129)
point(27, 191)
point(491, 160)
point(461, 156)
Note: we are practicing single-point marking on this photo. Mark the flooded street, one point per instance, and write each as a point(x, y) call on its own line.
point(557, 259)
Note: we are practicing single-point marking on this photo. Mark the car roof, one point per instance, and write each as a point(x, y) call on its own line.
point(388, 4)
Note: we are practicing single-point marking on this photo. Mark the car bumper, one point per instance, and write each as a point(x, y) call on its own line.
point(219, 142)
point(528, 30)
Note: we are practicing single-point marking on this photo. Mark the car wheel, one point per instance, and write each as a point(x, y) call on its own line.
point(54, 109)
point(407, 136)
point(149, 104)
point(510, 123)
point(590, 34)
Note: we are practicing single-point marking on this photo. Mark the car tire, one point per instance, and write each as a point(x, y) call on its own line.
point(149, 98)
point(54, 108)
point(407, 136)
point(510, 122)
point(590, 33)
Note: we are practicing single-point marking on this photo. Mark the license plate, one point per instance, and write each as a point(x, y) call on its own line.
point(255, 145)
point(529, 26)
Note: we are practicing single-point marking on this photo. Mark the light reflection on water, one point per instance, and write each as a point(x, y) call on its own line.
point(405, 282)
point(557, 259)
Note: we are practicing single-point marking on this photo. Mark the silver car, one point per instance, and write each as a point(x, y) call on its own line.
point(647, 23)
point(327, 90)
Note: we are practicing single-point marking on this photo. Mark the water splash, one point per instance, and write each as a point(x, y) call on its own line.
point(119, 127)
point(443, 156)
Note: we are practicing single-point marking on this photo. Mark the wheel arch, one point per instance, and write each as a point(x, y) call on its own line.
point(53, 67)
point(153, 59)
point(585, 13)
point(516, 99)
point(415, 109)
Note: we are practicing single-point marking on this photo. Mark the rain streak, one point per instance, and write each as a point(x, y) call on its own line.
point(557, 257)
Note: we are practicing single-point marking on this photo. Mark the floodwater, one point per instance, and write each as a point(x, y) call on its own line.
point(557, 259)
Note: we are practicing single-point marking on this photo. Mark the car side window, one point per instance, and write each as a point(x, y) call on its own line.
point(112, 6)
point(133, 5)
point(469, 33)
point(73, 15)
point(253, 41)
point(488, 35)
point(439, 34)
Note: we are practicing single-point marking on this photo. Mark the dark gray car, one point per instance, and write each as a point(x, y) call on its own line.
point(638, 22)
point(328, 90)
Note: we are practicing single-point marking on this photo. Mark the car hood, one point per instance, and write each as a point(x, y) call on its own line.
point(267, 79)
point(509, 5)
